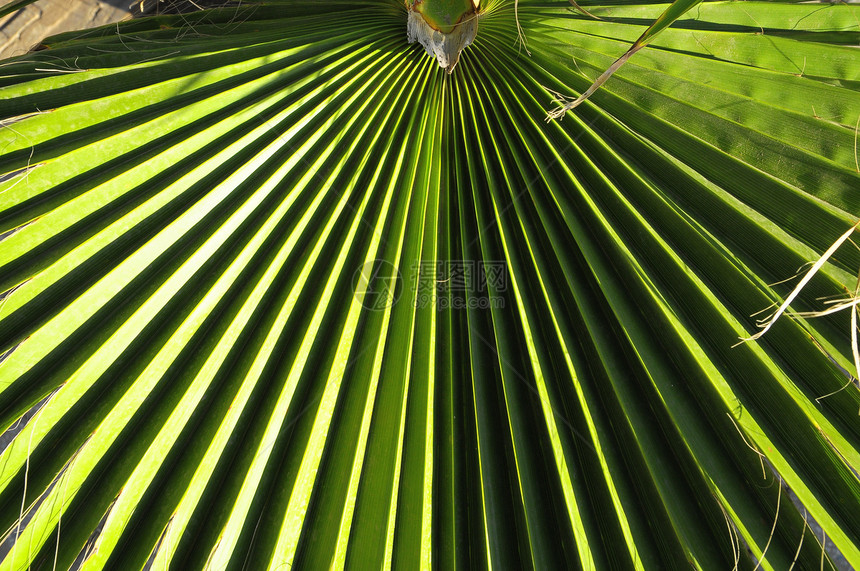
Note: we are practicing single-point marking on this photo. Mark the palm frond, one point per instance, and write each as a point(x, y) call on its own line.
point(281, 292)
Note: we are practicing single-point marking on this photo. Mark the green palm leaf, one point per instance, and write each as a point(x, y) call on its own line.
point(279, 292)
point(14, 5)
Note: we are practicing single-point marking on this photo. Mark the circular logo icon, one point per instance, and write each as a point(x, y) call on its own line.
point(375, 285)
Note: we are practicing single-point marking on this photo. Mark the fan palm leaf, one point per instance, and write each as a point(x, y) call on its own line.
point(280, 292)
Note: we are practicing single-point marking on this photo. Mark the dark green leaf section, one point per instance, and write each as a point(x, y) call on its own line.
point(281, 293)
point(13, 6)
